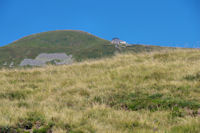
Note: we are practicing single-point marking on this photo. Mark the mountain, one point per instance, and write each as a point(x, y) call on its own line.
point(127, 93)
point(81, 45)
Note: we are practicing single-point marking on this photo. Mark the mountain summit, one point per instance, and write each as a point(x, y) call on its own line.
point(77, 44)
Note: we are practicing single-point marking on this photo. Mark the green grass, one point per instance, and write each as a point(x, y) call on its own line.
point(132, 92)
point(80, 44)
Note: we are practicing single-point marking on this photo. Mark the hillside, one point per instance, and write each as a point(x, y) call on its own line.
point(135, 92)
point(79, 44)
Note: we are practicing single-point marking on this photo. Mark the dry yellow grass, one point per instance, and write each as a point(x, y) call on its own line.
point(146, 92)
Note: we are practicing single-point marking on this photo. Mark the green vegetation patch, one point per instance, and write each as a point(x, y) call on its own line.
point(193, 77)
point(15, 95)
point(194, 127)
point(9, 129)
point(36, 122)
point(138, 101)
point(33, 122)
point(32, 119)
point(178, 106)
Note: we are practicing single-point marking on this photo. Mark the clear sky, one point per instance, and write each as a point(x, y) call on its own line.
point(155, 22)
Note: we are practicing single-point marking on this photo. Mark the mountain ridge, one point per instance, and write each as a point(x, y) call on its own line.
point(80, 44)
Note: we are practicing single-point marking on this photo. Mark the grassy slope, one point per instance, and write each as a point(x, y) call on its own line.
point(80, 44)
point(146, 92)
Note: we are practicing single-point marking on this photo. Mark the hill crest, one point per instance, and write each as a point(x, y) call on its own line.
point(81, 45)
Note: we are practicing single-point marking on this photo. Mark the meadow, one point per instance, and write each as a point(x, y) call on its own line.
point(127, 93)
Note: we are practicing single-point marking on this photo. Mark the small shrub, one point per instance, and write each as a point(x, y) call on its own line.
point(8, 129)
point(44, 129)
point(135, 124)
point(17, 95)
point(32, 118)
point(177, 112)
point(68, 127)
point(98, 99)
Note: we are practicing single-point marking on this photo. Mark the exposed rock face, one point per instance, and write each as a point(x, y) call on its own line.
point(30, 62)
point(11, 64)
point(54, 56)
point(42, 59)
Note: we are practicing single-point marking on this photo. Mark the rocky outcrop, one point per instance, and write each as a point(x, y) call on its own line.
point(43, 58)
point(30, 62)
point(11, 64)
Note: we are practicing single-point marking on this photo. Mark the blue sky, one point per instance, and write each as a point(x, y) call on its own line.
point(155, 22)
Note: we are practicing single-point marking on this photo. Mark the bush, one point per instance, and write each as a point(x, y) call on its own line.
point(8, 129)
point(44, 129)
point(32, 118)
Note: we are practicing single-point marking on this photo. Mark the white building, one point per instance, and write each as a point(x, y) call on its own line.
point(118, 41)
point(123, 42)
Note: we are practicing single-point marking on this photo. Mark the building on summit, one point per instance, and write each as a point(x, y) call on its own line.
point(118, 41)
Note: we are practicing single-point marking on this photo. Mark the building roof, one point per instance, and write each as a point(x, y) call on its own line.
point(115, 38)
